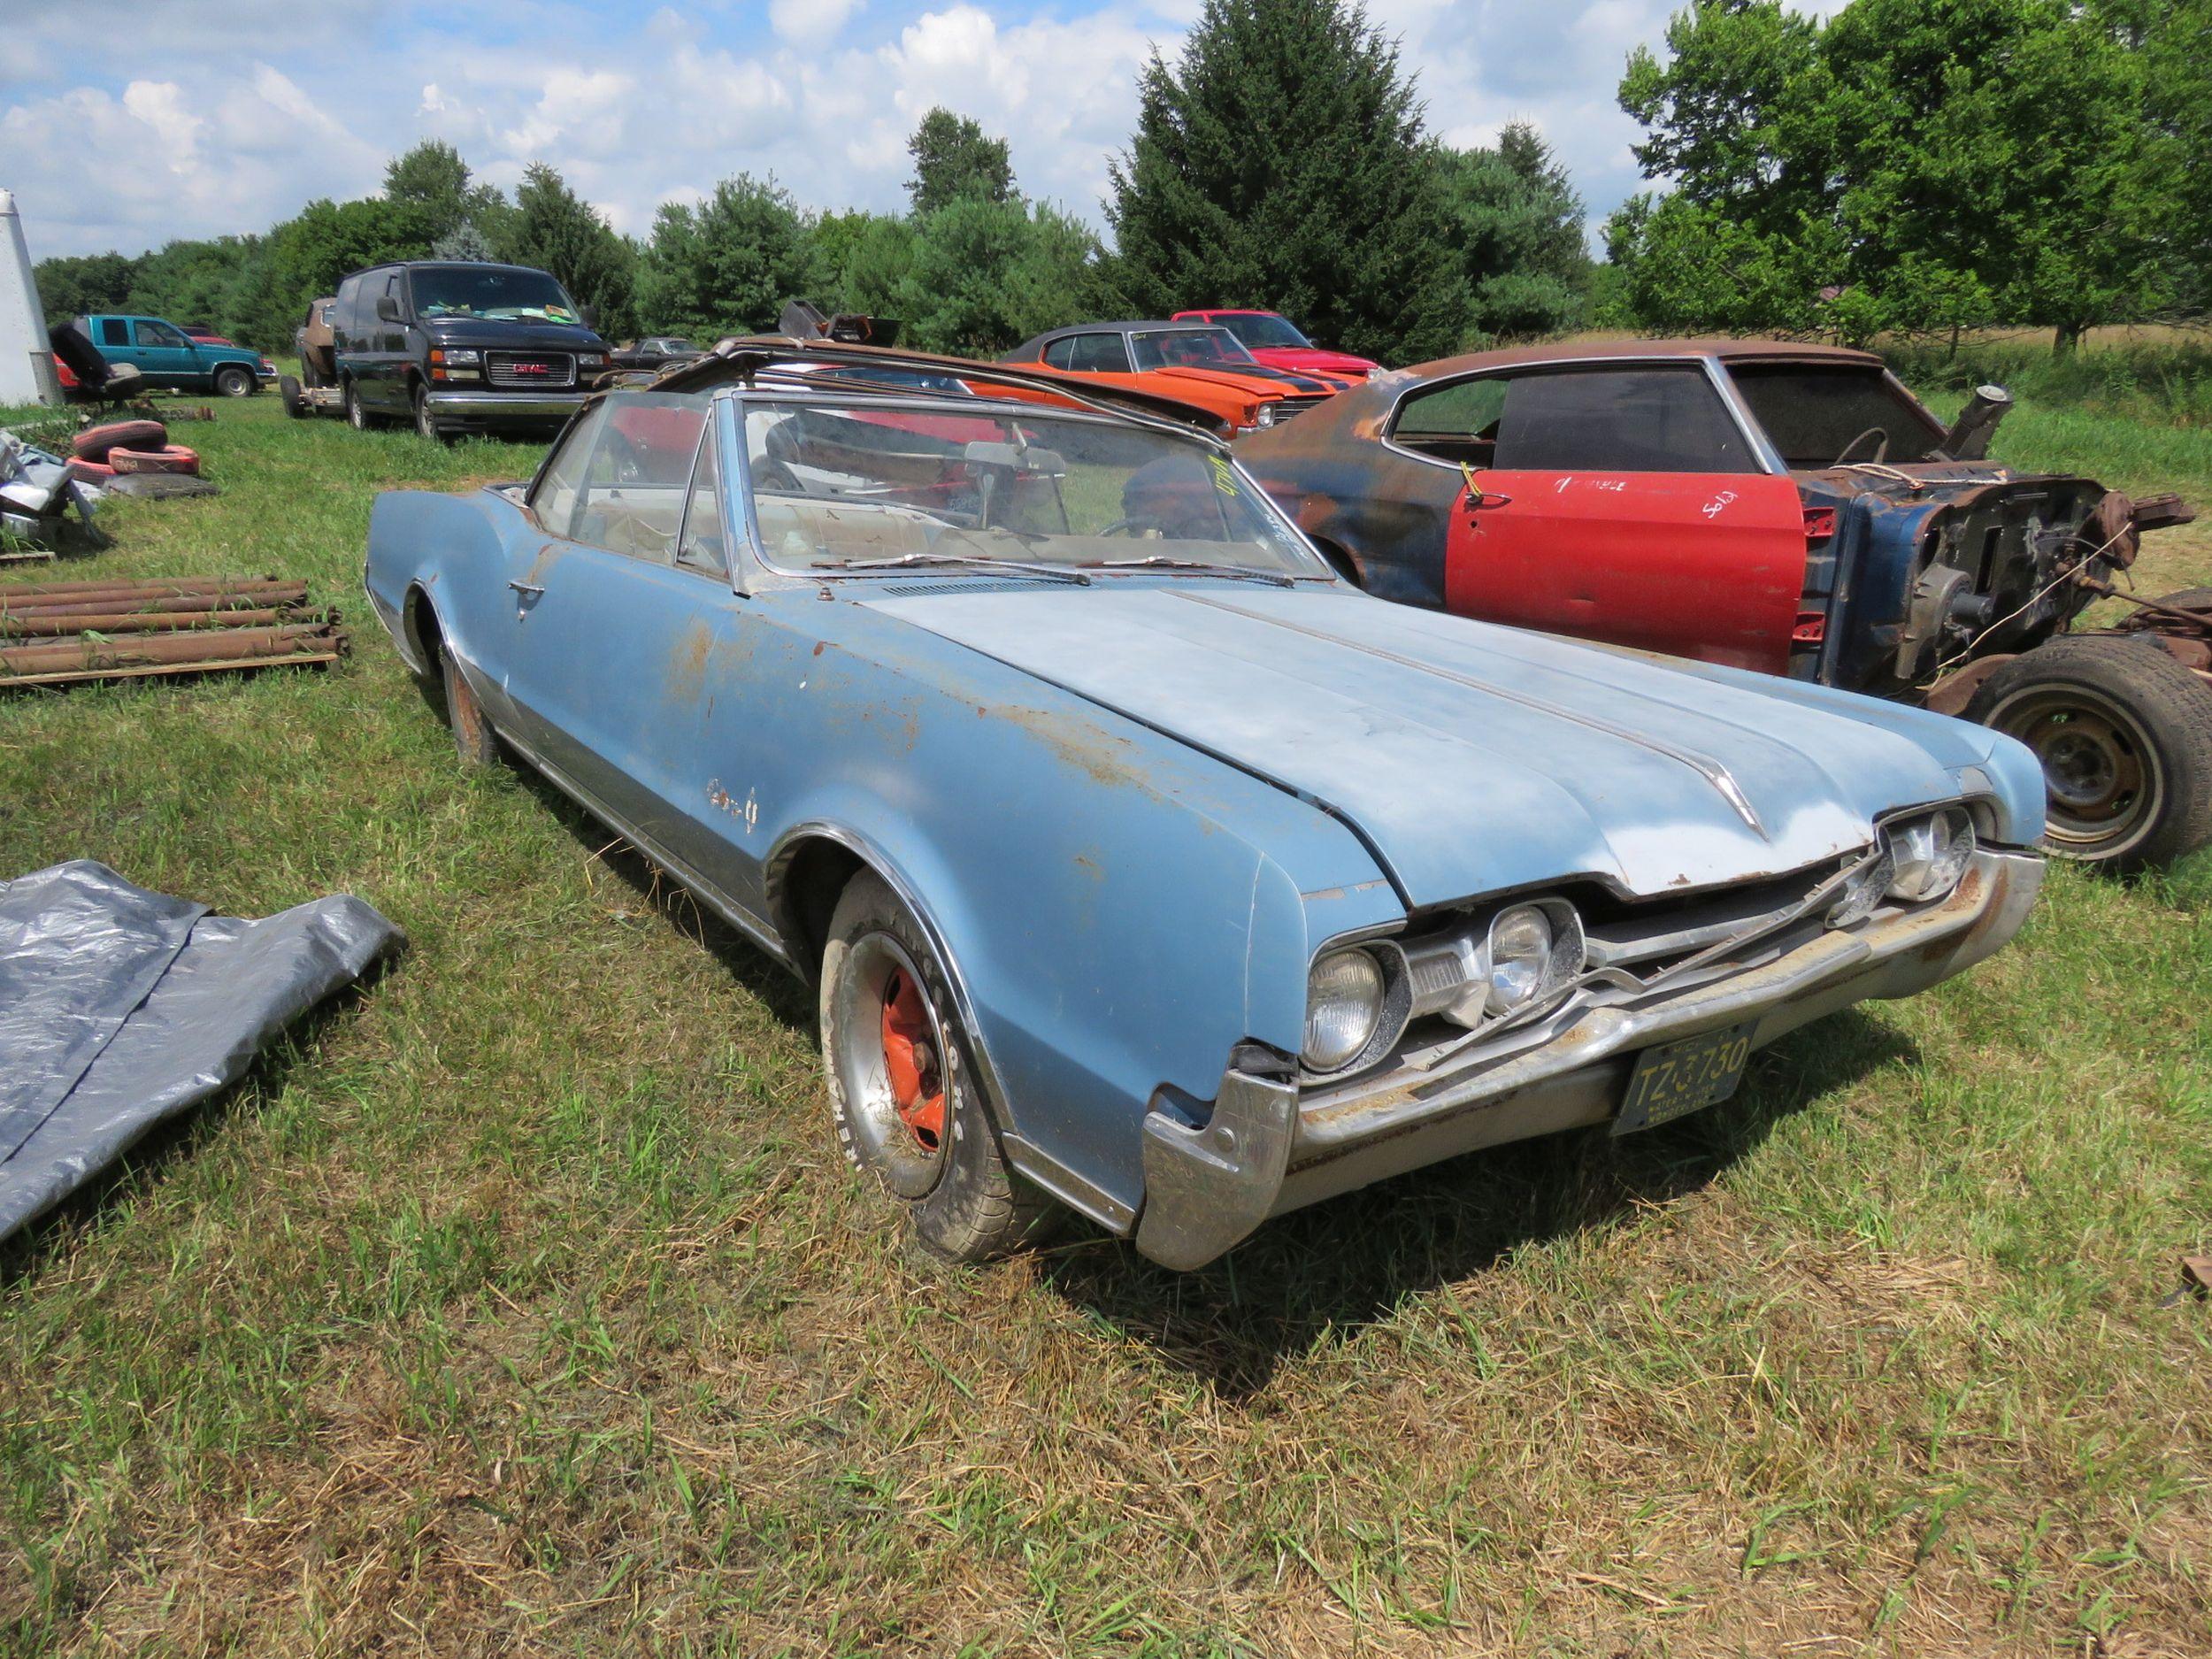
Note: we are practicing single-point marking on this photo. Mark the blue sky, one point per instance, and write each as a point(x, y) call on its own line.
point(124, 123)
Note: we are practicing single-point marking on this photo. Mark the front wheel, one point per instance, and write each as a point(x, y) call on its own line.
point(426, 426)
point(232, 381)
point(2124, 735)
point(902, 1088)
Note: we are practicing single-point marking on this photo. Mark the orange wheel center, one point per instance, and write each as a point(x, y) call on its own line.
point(912, 1061)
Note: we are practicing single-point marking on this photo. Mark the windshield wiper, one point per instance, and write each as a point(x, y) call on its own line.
point(1162, 562)
point(1057, 573)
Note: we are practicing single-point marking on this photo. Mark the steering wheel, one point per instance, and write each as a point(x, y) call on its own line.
point(1880, 450)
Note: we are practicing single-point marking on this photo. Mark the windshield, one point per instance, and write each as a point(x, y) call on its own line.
point(491, 292)
point(1264, 331)
point(1188, 349)
point(858, 483)
point(1819, 415)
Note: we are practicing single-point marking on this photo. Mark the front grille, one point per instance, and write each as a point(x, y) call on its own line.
point(554, 370)
point(1291, 406)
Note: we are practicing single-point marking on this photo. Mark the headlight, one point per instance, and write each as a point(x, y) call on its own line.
point(1266, 415)
point(1931, 855)
point(1344, 1005)
point(1520, 950)
point(1531, 950)
point(463, 356)
point(591, 360)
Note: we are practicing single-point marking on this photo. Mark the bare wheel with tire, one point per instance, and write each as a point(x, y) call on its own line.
point(289, 394)
point(473, 739)
point(903, 1085)
point(2124, 735)
point(231, 381)
point(426, 425)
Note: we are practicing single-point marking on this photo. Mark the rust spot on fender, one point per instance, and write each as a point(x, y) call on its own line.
point(820, 646)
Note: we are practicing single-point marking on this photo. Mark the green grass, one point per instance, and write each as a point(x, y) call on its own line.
point(522, 1304)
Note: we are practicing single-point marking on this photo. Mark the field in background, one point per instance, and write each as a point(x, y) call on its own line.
point(522, 1304)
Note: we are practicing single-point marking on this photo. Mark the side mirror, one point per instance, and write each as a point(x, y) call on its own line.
point(387, 309)
point(589, 314)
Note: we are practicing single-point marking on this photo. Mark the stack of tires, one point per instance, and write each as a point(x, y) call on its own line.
point(120, 453)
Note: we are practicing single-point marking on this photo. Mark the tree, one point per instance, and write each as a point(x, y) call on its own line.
point(953, 159)
point(1516, 224)
point(1280, 163)
point(558, 232)
point(727, 265)
point(861, 259)
point(432, 178)
point(1908, 162)
point(986, 275)
point(465, 243)
point(330, 240)
point(83, 284)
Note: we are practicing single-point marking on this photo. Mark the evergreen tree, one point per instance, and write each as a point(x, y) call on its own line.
point(1280, 163)
point(729, 264)
point(985, 275)
point(557, 231)
point(953, 159)
point(1516, 226)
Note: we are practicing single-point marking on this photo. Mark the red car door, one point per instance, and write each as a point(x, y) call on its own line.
point(1620, 503)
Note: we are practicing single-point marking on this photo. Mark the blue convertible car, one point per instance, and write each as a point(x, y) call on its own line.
point(1144, 866)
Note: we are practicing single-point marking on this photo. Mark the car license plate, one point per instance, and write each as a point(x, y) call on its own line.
point(1680, 1077)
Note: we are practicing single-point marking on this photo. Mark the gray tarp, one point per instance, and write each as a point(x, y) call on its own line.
point(119, 1007)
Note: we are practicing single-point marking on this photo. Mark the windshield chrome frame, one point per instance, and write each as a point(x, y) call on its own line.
point(743, 399)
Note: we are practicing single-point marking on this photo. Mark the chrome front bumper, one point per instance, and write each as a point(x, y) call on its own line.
point(1268, 1147)
point(501, 408)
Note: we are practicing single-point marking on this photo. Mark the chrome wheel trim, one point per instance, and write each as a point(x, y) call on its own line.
point(881, 1133)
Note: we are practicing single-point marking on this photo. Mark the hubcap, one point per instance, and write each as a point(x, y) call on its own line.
point(2101, 774)
point(894, 1065)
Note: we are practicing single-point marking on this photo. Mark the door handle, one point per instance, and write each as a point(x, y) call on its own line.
point(521, 586)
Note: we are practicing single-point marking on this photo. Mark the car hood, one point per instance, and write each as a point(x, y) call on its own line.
point(476, 331)
point(1472, 758)
point(1314, 360)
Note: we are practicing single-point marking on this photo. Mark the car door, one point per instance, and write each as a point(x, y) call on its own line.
point(389, 379)
point(1625, 503)
point(165, 355)
point(626, 633)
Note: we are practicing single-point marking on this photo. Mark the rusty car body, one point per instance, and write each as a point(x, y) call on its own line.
point(1141, 865)
point(1781, 507)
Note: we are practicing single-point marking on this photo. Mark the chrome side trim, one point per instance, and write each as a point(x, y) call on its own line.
point(1718, 776)
point(1078, 1194)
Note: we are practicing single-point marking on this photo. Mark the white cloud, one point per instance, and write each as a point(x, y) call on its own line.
point(207, 116)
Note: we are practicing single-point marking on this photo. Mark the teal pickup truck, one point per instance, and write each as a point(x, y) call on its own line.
point(167, 356)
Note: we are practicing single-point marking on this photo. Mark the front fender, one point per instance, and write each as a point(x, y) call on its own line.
point(1116, 912)
point(453, 549)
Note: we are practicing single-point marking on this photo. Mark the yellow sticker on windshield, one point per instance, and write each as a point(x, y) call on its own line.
point(1224, 480)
